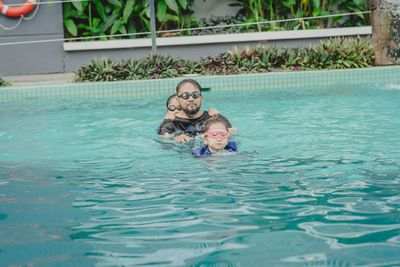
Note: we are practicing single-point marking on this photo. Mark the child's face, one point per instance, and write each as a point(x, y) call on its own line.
point(173, 103)
point(219, 142)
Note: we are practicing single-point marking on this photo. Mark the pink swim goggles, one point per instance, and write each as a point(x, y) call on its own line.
point(218, 134)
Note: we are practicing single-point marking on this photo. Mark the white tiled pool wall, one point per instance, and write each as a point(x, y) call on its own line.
point(136, 89)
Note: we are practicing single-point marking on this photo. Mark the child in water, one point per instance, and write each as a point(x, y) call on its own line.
point(173, 108)
point(216, 138)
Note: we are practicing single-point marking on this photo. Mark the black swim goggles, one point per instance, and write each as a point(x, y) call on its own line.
point(173, 108)
point(195, 95)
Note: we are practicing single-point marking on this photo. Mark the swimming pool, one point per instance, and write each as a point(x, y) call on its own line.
point(86, 181)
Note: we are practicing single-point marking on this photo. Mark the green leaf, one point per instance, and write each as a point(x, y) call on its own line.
point(299, 13)
point(316, 13)
point(70, 12)
point(172, 5)
point(145, 21)
point(360, 3)
point(122, 29)
point(115, 3)
point(109, 8)
point(325, 13)
point(100, 9)
point(183, 3)
point(77, 5)
point(161, 10)
point(128, 10)
point(170, 17)
point(96, 22)
point(132, 29)
point(316, 4)
point(335, 19)
point(92, 30)
point(116, 25)
point(84, 4)
point(108, 22)
point(71, 27)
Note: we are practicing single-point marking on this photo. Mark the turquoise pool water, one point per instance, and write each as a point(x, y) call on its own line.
point(87, 182)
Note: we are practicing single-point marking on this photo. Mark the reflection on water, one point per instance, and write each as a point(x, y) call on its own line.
point(316, 183)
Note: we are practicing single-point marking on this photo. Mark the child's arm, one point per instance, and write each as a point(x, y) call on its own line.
point(169, 117)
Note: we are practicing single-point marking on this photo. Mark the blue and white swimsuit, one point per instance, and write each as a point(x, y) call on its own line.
point(204, 151)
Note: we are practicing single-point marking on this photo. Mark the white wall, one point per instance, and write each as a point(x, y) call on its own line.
point(45, 24)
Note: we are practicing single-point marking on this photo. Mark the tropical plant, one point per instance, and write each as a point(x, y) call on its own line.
point(174, 14)
point(272, 10)
point(98, 18)
point(121, 17)
point(115, 17)
point(342, 53)
point(3, 82)
point(337, 53)
point(154, 66)
point(354, 6)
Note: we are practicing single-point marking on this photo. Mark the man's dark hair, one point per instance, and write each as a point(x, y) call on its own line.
point(169, 98)
point(216, 119)
point(191, 81)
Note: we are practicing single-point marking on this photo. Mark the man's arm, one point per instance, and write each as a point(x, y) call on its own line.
point(166, 129)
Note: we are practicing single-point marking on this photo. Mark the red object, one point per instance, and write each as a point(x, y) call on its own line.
point(17, 11)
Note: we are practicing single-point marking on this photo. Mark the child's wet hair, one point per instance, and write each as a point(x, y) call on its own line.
point(216, 119)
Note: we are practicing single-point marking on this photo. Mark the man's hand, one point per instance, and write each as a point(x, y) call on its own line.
point(232, 130)
point(182, 138)
point(167, 135)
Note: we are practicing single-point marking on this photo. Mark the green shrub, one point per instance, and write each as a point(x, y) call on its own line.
point(331, 54)
point(343, 53)
point(338, 53)
point(3, 82)
point(154, 66)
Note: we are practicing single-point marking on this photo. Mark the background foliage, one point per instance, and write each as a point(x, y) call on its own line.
point(113, 17)
point(260, 10)
point(331, 54)
point(110, 17)
point(3, 82)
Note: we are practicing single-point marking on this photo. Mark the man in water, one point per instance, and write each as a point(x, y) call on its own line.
point(190, 120)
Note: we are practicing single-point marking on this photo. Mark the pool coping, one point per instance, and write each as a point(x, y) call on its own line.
point(135, 88)
point(218, 38)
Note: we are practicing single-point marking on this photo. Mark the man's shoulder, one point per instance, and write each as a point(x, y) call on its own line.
point(204, 116)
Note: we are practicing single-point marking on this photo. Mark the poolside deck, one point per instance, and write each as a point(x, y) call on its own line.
point(39, 79)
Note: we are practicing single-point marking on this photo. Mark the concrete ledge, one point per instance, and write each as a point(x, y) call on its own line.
point(39, 79)
point(218, 39)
